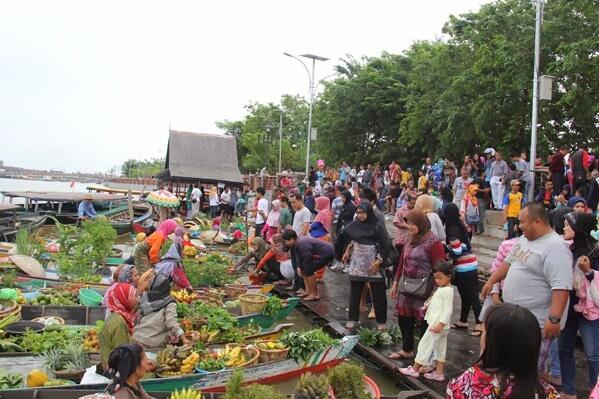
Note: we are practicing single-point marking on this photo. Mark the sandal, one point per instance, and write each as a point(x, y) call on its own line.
point(381, 327)
point(301, 294)
point(476, 333)
point(400, 355)
point(457, 326)
point(351, 325)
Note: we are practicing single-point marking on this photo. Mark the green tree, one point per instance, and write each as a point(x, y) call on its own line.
point(252, 130)
point(146, 168)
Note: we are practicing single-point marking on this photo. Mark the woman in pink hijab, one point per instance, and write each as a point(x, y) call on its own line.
point(272, 221)
point(321, 226)
point(147, 253)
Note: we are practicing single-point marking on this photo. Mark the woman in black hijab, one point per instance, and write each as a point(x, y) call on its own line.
point(365, 247)
point(158, 323)
point(348, 210)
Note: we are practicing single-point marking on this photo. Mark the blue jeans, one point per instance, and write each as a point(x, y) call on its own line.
point(556, 370)
point(589, 332)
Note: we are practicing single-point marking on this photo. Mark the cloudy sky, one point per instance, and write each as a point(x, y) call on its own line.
point(85, 85)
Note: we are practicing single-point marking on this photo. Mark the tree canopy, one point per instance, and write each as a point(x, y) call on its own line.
point(146, 168)
point(470, 90)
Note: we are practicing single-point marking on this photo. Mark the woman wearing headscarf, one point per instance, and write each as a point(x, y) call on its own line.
point(123, 274)
point(321, 226)
point(275, 265)
point(127, 364)
point(583, 311)
point(157, 324)
point(346, 216)
point(365, 246)
point(271, 227)
point(469, 208)
point(171, 264)
point(309, 201)
point(557, 218)
point(465, 267)
point(121, 300)
point(147, 253)
point(256, 252)
point(415, 262)
point(426, 204)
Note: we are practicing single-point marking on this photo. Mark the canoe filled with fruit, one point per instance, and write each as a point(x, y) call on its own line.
point(208, 369)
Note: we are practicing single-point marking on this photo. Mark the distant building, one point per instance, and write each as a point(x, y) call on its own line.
point(200, 157)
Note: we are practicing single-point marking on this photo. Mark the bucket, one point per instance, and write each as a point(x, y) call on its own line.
point(234, 290)
point(89, 297)
point(252, 303)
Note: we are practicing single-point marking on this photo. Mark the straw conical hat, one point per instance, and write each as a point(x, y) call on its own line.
point(28, 265)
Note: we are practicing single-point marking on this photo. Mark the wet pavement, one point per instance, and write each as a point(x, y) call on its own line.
point(462, 349)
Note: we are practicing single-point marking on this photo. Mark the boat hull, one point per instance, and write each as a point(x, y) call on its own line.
point(265, 373)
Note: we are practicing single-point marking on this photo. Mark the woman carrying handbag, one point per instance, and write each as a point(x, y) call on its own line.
point(414, 282)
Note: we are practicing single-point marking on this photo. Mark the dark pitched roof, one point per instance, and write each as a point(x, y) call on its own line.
point(201, 156)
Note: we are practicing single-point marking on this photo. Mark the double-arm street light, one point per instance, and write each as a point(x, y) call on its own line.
point(314, 58)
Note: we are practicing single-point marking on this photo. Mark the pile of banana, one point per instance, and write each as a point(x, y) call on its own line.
point(182, 296)
point(174, 360)
point(234, 357)
point(186, 394)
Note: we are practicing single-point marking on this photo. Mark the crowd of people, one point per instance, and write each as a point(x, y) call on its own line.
point(541, 294)
point(544, 270)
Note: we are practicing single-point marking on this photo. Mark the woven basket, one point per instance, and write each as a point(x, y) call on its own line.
point(252, 303)
point(234, 290)
point(73, 375)
point(272, 355)
point(210, 300)
point(8, 307)
point(252, 353)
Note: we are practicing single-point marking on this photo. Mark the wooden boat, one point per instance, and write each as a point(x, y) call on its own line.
point(63, 205)
point(266, 334)
point(88, 315)
point(65, 393)
point(265, 373)
point(119, 217)
point(31, 221)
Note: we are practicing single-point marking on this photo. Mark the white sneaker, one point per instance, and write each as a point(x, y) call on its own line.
point(337, 265)
point(346, 269)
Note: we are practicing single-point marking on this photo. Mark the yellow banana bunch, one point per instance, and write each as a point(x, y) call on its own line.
point(188, 364)
point(186, 394)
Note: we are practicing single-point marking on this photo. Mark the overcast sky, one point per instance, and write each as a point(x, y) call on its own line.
point(85, 85)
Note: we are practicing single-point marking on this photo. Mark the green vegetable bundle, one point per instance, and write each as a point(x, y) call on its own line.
point(370, 337)
point(211, 273)
point(303, 344)
point(9, 380)
point(347, 381)
point(37, 342)
point(272, 307)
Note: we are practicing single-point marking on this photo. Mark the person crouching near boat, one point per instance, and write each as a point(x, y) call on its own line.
point(121, 301)
point(127, 365)
point(275, 266)
point(147, 253)
point(157, 319)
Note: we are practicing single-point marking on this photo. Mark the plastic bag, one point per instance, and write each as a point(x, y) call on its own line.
point(8, 294)
point(91, 377)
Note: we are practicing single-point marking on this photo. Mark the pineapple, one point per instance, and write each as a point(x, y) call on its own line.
point(312, 387)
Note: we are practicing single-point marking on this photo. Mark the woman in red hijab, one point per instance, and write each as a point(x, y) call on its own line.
point(121, 302)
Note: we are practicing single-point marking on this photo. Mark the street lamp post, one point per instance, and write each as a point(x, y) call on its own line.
point(535, 99)
point(314, 58)
point(280, 138)
point(266, 142)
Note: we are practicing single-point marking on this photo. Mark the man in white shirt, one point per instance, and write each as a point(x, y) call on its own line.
point(302, 217)
point(261, 210)
point(196, 195)
point(225, 202)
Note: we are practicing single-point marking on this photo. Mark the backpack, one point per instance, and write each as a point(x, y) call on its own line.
point(472, 215)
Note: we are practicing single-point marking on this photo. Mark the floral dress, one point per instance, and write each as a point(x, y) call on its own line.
point(475, 383)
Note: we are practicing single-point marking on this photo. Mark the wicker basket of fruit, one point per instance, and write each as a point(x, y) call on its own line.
point(271, 351)
point(235, 290)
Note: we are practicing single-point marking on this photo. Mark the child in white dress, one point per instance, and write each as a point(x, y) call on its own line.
point(433, 344)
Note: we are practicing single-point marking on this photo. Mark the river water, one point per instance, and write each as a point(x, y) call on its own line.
point(36, 185)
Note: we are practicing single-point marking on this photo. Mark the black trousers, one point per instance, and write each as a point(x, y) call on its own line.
point(407, 325)
point(273, 271)
point(467, 283)
point(512, 222)
point(558, 182)
point(379, 297)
